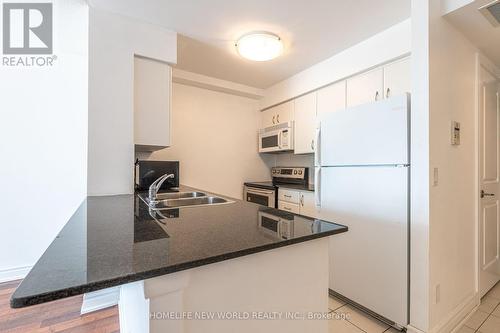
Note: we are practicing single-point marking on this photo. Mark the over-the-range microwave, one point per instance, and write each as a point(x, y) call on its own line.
point(276, 138)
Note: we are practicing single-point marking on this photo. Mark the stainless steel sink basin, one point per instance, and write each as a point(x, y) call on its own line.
point(183, 199)
point(179, 195)
point(192, 202)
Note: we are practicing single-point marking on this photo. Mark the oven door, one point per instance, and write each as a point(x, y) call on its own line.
point(260, 196)
point(270, 141)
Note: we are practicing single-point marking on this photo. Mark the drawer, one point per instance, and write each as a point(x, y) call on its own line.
point(288, 196)
point(289, 207)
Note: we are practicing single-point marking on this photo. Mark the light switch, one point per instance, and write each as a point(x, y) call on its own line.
point(455, 133)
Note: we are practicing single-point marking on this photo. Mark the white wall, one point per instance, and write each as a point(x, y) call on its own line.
point(43, 143)
point(444, 243)
point(383, 47)
point(452, 203)
point(215, 139)
point(114, 40)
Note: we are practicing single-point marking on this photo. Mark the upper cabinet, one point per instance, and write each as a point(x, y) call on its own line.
point(383, 82)
point(278, 114)
point(152, 98)
point(365, 88)
point(331, 98)
point(397, 78)
point(305, 123)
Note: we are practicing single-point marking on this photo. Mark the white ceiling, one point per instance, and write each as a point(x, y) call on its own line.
point(311, 30)
point(478, 29)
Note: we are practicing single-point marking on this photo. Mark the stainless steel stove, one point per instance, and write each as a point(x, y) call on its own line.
point(266, 193)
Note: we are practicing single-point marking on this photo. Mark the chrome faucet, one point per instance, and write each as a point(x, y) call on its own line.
point(155, 187)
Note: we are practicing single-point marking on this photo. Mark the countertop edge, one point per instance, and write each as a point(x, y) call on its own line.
point(21, 302)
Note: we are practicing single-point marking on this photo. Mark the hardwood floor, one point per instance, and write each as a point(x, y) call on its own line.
point(58, 316)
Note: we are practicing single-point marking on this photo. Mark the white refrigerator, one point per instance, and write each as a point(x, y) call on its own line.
point(362, 176)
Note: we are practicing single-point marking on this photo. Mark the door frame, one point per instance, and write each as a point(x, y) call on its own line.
point(481, 61)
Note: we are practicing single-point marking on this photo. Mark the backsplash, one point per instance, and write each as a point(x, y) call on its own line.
point(292, 160)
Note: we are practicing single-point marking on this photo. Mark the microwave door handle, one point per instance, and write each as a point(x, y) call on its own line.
point(279, 139)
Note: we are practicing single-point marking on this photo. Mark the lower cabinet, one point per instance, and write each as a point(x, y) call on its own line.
point(298, 202)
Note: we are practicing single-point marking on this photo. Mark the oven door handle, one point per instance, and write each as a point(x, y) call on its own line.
point(256, 191)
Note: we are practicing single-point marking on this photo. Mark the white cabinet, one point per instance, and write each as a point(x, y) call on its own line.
point(305, 124)
point(298, 202)
point(331, 98)
point(277, 114)
point(365, 88)
point(289, 207)
point(152, 98)
point(397, 78)
point(307, 204)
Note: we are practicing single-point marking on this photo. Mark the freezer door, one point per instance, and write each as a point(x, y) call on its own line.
point(369, 263)
point(370, 134)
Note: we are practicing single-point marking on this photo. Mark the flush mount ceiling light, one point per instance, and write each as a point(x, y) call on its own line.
point(259, 46)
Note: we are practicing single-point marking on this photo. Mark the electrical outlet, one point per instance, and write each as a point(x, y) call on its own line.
point(435, 177)
point(438, 293)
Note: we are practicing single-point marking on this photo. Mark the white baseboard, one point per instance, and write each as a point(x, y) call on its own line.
point(101, 299)
point(453, 322)
point(411, 329)
point(13, 274)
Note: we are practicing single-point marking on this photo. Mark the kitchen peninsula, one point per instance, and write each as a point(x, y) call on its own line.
point(232, 258)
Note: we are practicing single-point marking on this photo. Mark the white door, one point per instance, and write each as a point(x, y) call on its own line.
point(305, 124)
point(268, 118)
point(284, 112)
point(365, 88)
point(397, 78)
point(307, 204)
point(368, 263)
point(489, 220)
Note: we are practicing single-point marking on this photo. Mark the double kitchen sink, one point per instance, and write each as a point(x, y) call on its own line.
point(182, 199)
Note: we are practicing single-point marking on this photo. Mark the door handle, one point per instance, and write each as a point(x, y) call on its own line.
point(484, 194)
point(376, 95)
point(388, 93)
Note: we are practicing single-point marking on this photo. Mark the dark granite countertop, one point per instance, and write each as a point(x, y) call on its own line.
point(114, 240)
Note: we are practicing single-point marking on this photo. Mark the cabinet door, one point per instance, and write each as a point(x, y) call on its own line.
point(331, 98)
point(289, 207)
point(152, 91)
point(305, 124)
point(307, 204)
point(284, 112)
point(397, 78)
point(365, 88)
point(268, 117)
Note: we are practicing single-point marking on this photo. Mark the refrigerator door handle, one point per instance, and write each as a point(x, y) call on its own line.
point(317, 186)
point(317, 152)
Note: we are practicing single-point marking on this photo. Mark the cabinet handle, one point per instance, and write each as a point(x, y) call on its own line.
point(302, 200)
point(287, 196)
point(273, 119)
point(278, 119)
point(312, 144)
point(388, 93)
point(377, 95)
